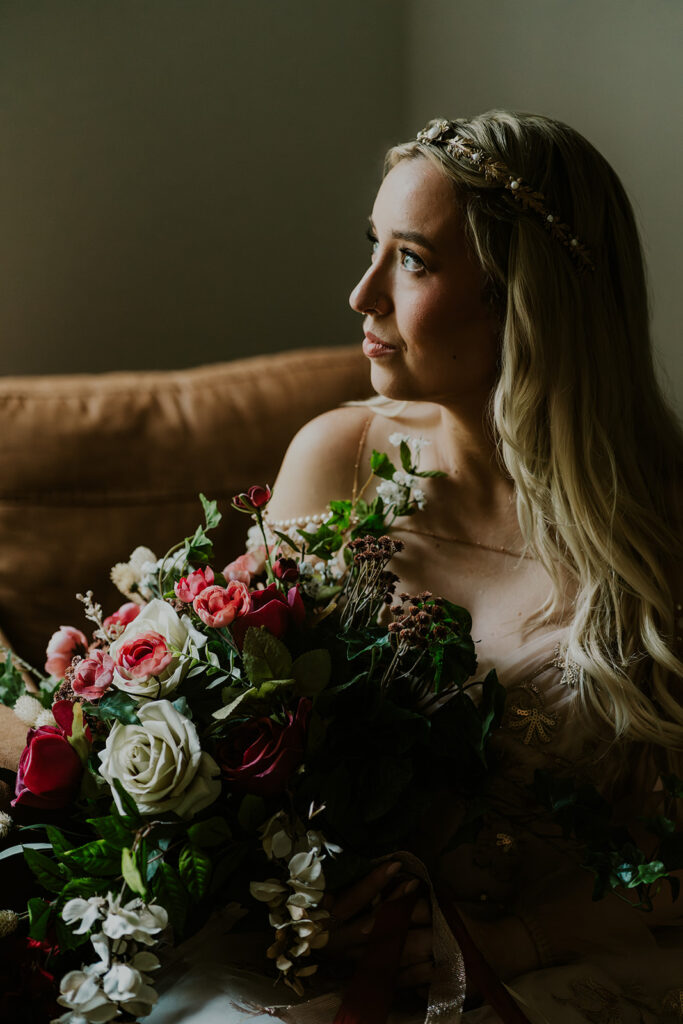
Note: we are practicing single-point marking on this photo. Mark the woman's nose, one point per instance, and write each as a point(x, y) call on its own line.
point(368, 296)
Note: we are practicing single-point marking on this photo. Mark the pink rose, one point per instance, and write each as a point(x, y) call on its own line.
point(63, 646)
point(143, 656)
point(188, 587)
point(247, 565)
point(125, 614)
point(50, 770)
point(219, 606)
point(272, 609)
point(94, 675)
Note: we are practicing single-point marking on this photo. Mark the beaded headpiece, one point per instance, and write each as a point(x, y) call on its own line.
point(445, 134)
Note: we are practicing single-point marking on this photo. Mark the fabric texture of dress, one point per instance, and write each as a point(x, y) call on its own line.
point(599, 962)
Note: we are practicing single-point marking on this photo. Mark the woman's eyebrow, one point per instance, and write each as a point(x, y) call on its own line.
point(408, 236)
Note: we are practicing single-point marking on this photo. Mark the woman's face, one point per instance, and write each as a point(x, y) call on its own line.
point(428, 333)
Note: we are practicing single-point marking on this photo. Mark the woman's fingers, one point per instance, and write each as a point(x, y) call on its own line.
point(345, 936)
point(418, 947)
point(359, 896)
point(416, 975)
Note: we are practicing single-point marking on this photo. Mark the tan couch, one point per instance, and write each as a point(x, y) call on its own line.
point(93, 465)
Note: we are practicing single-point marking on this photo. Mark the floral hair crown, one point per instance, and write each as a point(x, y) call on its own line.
point(445, 134)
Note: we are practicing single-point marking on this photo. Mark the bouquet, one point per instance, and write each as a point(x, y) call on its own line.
point(257, 736)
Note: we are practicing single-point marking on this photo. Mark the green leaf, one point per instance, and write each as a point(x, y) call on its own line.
point(169, 892)
point(84, 888)
point(131, 873)
point(198, 548)
point(114, 706)
point(211, 832)
point(12, 685)
point(252, 812)
point(312, 672)
point(649, 873)
point(265, 657)
point(95, 858)
point(673, 785)
point(406, 457)
point(212, 516)
point(45, 870)
point(130, 808)
point(113, 830)
point(194, 867)
point(381, 465)
point(78, 738)
point(225, 712)
point(39, 913)
point(66, 938)
point(60, 844)
point(288, 540)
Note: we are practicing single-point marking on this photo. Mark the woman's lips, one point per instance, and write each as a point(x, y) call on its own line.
point(373, 347)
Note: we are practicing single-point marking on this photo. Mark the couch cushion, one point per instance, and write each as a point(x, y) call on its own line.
point(93, 465)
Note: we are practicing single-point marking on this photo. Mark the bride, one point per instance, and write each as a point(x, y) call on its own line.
point(505, 322)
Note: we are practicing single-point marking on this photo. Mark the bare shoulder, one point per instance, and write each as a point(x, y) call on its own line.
point(319, 464)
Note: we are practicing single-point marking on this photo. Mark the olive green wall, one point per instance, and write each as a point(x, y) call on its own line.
point(187, 180)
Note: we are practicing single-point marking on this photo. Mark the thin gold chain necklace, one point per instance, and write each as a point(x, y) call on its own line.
point(500, 550)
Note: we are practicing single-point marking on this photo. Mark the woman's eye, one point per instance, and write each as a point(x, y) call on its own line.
point(372, 240)
point(411, 261)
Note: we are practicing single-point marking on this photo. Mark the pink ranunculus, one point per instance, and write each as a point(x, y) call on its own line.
point(122, 616)
point(272, 609)
point(94, 675)
point(247, 565)
point(63, 646)
point(260, 755)
point(188, 587)
point(219, 606)
point(50, 770)
point(143, 656)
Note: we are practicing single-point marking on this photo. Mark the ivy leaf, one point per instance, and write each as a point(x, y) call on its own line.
point(116, 705)
point(131, 873)
point(381, 465)
point(265, 657)
point(12, 684)
point(194, 868)
point(211, 832)
point(39, 913)
point(312, 672)
point(212, 516)
point(45, 870)
point(198, 548)
point(169, 891)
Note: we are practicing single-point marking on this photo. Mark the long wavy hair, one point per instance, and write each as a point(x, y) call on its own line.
point(594, 451)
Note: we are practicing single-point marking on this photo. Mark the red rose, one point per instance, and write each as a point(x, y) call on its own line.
point(143, 656)
point(63, 646)
point(286, 569)
point(122, 616)
point(187, 587)
point(260, 756)
point(256, 497)
point(219, 606)
point(93, 676)
point(49, 773)
point(272, 609)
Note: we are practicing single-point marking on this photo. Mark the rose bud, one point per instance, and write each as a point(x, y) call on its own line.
point(260, 756)
point(272, 609)
point(125, 614)
point(143, 656)
point(255, 498)
point(63, 646)
point(187, 587)
point(50, 770)
point(219, 606)
point(94, 675)
point(286, 569)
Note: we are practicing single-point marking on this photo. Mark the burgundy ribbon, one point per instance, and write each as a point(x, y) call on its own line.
point(368, 997)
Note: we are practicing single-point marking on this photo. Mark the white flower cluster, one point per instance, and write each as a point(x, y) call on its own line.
point(118, 981)
point(128, 576)
point(32, 713)
point(8, 922)
point(316, 579)
point(403, 487)
point(295, 905)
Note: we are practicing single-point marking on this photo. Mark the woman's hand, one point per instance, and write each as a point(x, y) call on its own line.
point(353, 912)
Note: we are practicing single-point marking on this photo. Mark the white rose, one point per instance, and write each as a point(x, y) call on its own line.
point(160, 763)
point(157, 617)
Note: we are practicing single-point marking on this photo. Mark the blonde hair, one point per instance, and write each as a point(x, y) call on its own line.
point(583, 430)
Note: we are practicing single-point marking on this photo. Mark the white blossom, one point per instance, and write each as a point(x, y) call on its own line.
point(419, 497)
point(136, 920)
point(8, 922)
point(86, 911)
point(27, 708)
point(45, 718)
point(390, 493)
